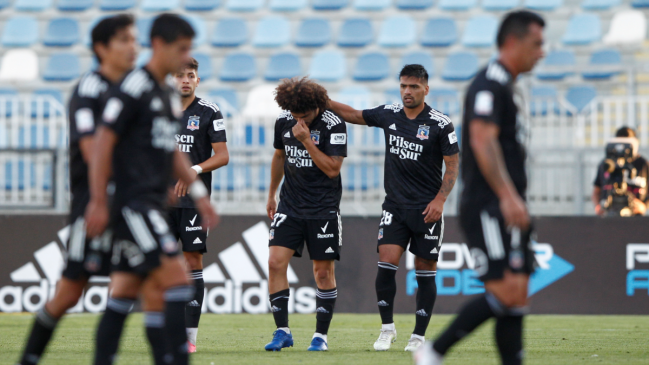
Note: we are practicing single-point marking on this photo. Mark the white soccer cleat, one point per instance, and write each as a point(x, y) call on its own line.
point(425, 355)
point(413, 344)
point(386, 338)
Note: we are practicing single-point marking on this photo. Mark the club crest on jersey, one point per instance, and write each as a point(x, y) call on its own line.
point(315, 137)
point(423, 132)
point(193, 123)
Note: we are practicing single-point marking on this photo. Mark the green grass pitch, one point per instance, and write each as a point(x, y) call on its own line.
point(239, 339)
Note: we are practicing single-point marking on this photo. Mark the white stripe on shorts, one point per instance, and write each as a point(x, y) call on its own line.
point(492, 237)
point(139, 229)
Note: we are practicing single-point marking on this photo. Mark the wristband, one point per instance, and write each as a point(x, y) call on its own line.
point(198, 169)
point(197, 190)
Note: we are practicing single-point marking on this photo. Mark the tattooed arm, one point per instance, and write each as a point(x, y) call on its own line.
point(435, 208)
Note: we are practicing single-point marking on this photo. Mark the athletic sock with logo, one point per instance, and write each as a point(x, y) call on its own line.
point(194, 307)
point(325, 301)
point(110, 329)
point(39, 337)
point(386, 289)
point(176, 299)
point(426, 295)
point(509, 337)
point(154, 322)
point(279, 307)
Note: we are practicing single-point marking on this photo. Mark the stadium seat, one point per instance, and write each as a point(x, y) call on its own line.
point(600, 4)
point(143, 58)
point(160, 5)
point(457, 5)
point(202, 5)
point(287, 5)
point(10, 106)
point(62, 67)
point(480, 31)
point(355, 33)
point(358, 97)
point(372, 66)
point(329, 4)
point(583, 29)
point(460, 66)
point(244, 5)
point(543, 99)
point(371, 5)
point(205, 71)
point(640, 3)
point(414, 4)
point(557, 65)
point(328, 66)
point(313, 32)
point(6, 3)
point(273, 31)
point(199, 27)
point(116, 5)
point(226, 99)
point(283, 66)
point(580, 96)
point(627, 27)
point(143, 25)
point(418, 58)
point(62, 32)
point(20, 31)
point(19, 65)
point(74, 5)
point(230, 32)
point(439, 32)
point(446, 101)
point(238, 67)
point(603, 64)
point(32, 5)
point(45, 104)
point(397, 31)
point(499, 5)
point(543, 5)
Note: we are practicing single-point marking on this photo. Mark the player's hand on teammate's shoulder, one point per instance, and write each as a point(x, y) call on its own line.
point(515, 212)
point(96, 218)
point(209, 217)
point(301, 131)
point(434, 210)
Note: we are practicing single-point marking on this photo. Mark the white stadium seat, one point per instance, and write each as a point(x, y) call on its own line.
point(19, 65)
point(627, 27)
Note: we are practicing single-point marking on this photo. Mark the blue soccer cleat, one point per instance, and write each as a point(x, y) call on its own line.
point(318, 344)
point(280, 340)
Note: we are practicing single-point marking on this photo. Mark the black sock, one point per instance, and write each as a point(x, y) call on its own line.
point(154, 322)
point(279, 307)
point(386, 289)
point(193, 309)
point(426, 295)
point(325, 301)
point(39, 337)
point(509, 337)
point(110, 329)
point(175, 300)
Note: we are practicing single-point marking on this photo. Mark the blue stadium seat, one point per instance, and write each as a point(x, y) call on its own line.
point(329, 4)
point(9, 105)
point(20, 31)
point(32, 5)
point(238, 67)
point(480, 31)
point(392, 96)
point(201, 5)
point(230, 32)
point(580, 96)
point(355, 33)
point(418, 58)
point(287, 5)
point(557, 65)
point(6, 3)
point(313, 32)
point(205, 71)
point(143, 25)
point(160, 5)
point(283, 66)
point(372, 66)
point(583, 29)
point(397, 31)
point(460, 66)
point(457, 5)
point(55, 93)
point(116, 5)
point(358, 97)
point(544, 5)
point(74, 5)
point(603, 64)
point(446, 101)
point(273, 31)
point(414, 4)
point(499, 5)
point(143, 58)
point(62, 32)
point(244, 5)
point(328, 66)
point(439, 32)
point(640, 3)
point(372, 5)
point(543, 99)
point(199, 27)
point(226, 99)
point(600, 4)
point(62, 67)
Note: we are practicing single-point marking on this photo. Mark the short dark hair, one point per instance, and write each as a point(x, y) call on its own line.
point(192, 64)
point(170, 27)
point(625, 132)
point(518, 24)
point(107, 28)
point(414, 70)
point(301, 95)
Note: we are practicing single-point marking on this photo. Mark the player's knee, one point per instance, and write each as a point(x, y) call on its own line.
point(423, 264)
point(194, 260)
point(276, 265)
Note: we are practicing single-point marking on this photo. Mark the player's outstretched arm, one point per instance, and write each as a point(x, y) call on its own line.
point(99, 171)
point(346, 112)
point(197, 191)
point(330, 165)
point(434, 210)
point(276, 175)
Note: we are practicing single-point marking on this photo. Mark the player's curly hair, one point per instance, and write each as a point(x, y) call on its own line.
point(301, 95)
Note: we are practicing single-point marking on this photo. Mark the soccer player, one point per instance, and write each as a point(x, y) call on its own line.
point(418, 139)
point(493, 214)
point(310, 145)
point(202, 131)
point(114, 45)
point(137, 131)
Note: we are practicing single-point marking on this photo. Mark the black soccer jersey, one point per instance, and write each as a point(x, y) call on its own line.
point(201, 125)
point(84, 111)
point(307, 192)
point(144, 115)
point(414, 153)
point(490, 97)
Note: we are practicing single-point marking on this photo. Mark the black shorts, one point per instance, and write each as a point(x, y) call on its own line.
point(86, 257)
point(141, 235)
point(323, 237)
point(406, 226)
point(185, 225)
point(494, 247)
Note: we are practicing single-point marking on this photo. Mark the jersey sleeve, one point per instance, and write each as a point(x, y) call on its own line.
point(217, 130)
point(119, 111)
point(278, 142)
point(375, 117)
point(82, 117)
point(336, 145)
point(486, 102)
point(448, 140)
